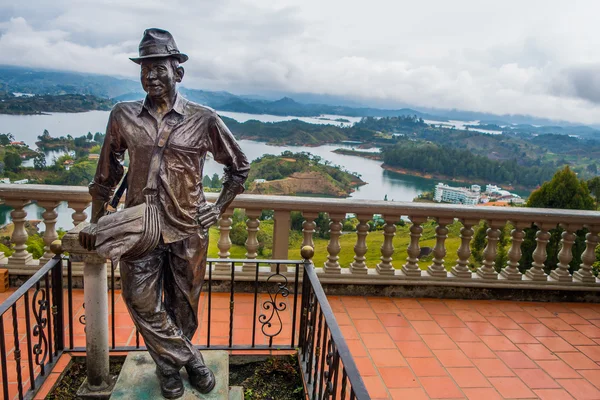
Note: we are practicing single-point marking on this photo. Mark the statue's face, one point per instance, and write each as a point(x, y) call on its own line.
point(159, 77)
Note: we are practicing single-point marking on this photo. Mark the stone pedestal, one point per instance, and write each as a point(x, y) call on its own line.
point(98, 383)
point(138, 378)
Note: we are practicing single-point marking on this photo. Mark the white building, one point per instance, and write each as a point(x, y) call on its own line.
point(492, 188)
point(456, 195)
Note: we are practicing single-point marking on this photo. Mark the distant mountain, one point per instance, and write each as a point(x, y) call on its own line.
point(34, 81)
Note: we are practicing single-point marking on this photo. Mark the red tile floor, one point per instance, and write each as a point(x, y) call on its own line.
point(429, 348)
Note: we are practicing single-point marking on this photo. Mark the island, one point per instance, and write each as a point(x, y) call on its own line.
point(299, 174)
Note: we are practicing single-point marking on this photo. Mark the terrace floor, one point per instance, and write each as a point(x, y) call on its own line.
point(428, 348)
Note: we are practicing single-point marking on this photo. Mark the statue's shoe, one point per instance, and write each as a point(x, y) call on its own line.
point(201, 378)
point(171, 385)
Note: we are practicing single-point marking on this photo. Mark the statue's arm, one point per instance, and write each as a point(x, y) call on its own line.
point(108, 174)
point(226, 151)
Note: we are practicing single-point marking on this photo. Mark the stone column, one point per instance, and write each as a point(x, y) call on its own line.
point(584, 274)
point(461, 269)
point(252, 226)
point(511, 271)
point(561, 273)
point(98, 382)
point(358, 266)
point(487, 270)
point(332, 266)
point(21, 259)
point(411, 268)
point(536, 272)
point(224, 242)
point(437, 269)
point(50, 234)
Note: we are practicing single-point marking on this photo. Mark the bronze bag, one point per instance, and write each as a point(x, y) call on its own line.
point(133, 232)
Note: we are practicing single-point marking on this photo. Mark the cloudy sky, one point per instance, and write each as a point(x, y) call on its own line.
point(512, 56)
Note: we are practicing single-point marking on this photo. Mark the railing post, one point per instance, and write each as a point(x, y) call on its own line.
point(437, 269)
point(358, 266)
point(21, 258)
point(536, 272)
point(511, 271)
point(79, 215)
point(308, 228)
point(561, 273)
point(281, 237)
point(98, 381)
point(224, 242)
point(252, 226)
point(58, 308)
point(50, 234)
point(584, 274)
point(487, 271)
point(411, 268)
point(332, 266)
point(461, 269)
point(385, 267)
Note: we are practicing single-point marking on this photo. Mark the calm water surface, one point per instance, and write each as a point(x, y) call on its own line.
point(397, 187)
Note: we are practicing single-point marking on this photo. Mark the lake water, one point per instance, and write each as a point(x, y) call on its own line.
point(397, 187)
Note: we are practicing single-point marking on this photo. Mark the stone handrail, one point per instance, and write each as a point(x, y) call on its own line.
point(405, 272)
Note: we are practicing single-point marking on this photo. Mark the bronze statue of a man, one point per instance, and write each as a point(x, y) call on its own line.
point(162, 289)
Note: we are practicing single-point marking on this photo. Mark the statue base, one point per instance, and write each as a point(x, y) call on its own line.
point(138, 379)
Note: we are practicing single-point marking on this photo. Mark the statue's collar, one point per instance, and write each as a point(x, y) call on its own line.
point(178, 106)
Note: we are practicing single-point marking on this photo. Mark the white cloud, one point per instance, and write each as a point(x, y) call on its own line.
point(534, 57)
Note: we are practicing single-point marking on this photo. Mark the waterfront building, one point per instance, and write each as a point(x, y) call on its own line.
point(456, 195)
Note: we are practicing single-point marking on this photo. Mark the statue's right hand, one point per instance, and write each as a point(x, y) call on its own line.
point(87, 237)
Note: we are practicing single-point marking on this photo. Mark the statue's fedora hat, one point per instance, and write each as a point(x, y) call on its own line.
point(158, 43)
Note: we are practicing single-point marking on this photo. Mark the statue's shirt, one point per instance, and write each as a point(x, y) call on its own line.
point(196, 130)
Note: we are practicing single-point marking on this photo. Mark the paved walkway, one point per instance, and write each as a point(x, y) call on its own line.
point(425, 348)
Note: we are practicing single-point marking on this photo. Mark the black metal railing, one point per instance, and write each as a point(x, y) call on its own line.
point(274, 305)
point(40, 297)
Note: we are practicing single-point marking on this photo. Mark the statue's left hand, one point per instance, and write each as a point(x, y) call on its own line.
point(208, 215)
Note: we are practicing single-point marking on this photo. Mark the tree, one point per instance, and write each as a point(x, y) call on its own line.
point(89, 136)
point(215, 181)
point(206, 182)
point(12, 161)
point(6, 138)
point(564, 191)
point(592, 168)
point(594, 187)
point(39, 161)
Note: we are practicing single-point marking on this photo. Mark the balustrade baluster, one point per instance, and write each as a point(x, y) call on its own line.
point(437, 269)
point(224, 242)
point(308, 228)
point(252, 226)
point(542, 237)
point(79, 215)
point(411, 268)
point(487, 270)
point(21, 258)
point(50, 234)
point(385, 267)
point(360, 249)
point(461, 269)
point(332, 266)
point(584, 274)
point(565, 256)
point(511, 270)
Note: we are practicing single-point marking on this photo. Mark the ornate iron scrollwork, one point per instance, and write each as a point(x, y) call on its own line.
point(40, 306)
point(274, 306)
point(82, 316)
point(330, 361)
